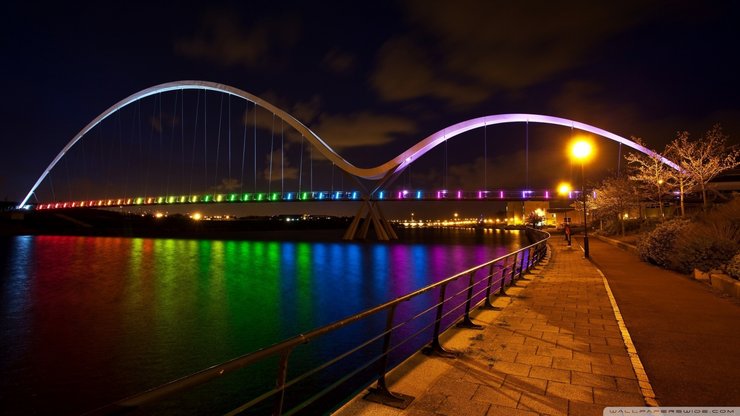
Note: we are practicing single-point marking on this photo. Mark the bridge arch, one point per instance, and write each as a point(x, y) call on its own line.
point(313, 138)
point(402, 161)
point(385, 170)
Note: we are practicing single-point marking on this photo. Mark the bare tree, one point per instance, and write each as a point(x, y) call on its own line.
point(702, 160)
point(654, 176)
point(616, 196)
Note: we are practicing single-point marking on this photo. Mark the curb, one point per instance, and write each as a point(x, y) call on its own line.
point(621, 244)
point(645, 387)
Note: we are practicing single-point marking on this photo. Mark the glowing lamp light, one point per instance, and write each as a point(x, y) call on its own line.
point(501, 194)
point(564, 188)
point(354, 195)
point(380, 195)
point(581, 149)
point(459, 194)
point(547, 194)
point(158, 215)
point(418, 194)
point(197, 216)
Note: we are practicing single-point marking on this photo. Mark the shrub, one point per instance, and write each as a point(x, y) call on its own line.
point(724, 220)
point(696, 248)
point(733, 268)
point(657, 246)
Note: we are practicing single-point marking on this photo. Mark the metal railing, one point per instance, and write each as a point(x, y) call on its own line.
point(499, 273)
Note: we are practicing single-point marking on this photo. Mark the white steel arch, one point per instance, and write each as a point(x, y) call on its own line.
point(404, 159)
point(386, 169)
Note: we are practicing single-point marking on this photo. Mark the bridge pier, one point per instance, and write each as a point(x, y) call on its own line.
point(383, 229)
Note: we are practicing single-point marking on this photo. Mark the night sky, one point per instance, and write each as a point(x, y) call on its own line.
point(374, 78)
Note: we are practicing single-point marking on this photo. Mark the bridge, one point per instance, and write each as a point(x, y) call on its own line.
point(152, 149)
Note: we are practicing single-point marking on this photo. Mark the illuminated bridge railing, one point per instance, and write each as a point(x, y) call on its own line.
point(401, 333)
point(321, 196)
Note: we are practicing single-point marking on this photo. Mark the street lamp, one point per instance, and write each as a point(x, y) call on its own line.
point(564, 190)
point(581, 151)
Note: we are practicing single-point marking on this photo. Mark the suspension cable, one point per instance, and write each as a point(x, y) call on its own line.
point(229, 121)
point(485, 156)
point(172, 146)
point(205, 140)
point(272, 138)
point(445, 165)
point(182, 137)
point(218, 140)
point(244, 146)
point(310, 161)
point(300, 166)
point(526, 155)
point(195, 137)
point(255, 147)
point(150, 145)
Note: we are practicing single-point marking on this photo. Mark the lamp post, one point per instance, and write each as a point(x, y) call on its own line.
point(581, 151)
point(564, 189)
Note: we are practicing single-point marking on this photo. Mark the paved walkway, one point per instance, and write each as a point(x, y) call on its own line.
point(555, 349)
point(687, 336)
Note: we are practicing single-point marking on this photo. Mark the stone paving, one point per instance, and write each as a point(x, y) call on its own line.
point(555, 348)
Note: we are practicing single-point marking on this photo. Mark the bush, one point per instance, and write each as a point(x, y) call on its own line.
point(657, 246)
point(724, 221)
point(733, 268)
point(697, 248)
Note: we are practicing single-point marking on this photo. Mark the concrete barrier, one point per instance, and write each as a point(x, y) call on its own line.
point(726, 284)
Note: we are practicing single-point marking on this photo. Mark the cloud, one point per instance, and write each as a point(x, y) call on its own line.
point(362, 129)
point(282, 169)
point(338, 61)
point(223, 40)
point(404, 72)
point(466, 51)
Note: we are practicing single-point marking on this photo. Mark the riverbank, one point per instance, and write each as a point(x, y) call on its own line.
point(104, 223)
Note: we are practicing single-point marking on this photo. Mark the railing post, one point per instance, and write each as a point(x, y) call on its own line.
point(280, 382)
point(435, 347)
point(380, 393)
point(466, 322)
point(488, 304)
point(521, 267)
point(530, 252)
point(540, 252)
point(503, 276)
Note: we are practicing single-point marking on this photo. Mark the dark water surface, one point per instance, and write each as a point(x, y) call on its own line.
point(88, 320)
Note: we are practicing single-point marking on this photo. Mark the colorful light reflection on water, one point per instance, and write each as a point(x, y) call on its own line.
point(88, 320)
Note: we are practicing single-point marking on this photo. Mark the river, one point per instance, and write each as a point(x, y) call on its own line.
point(85, 321)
